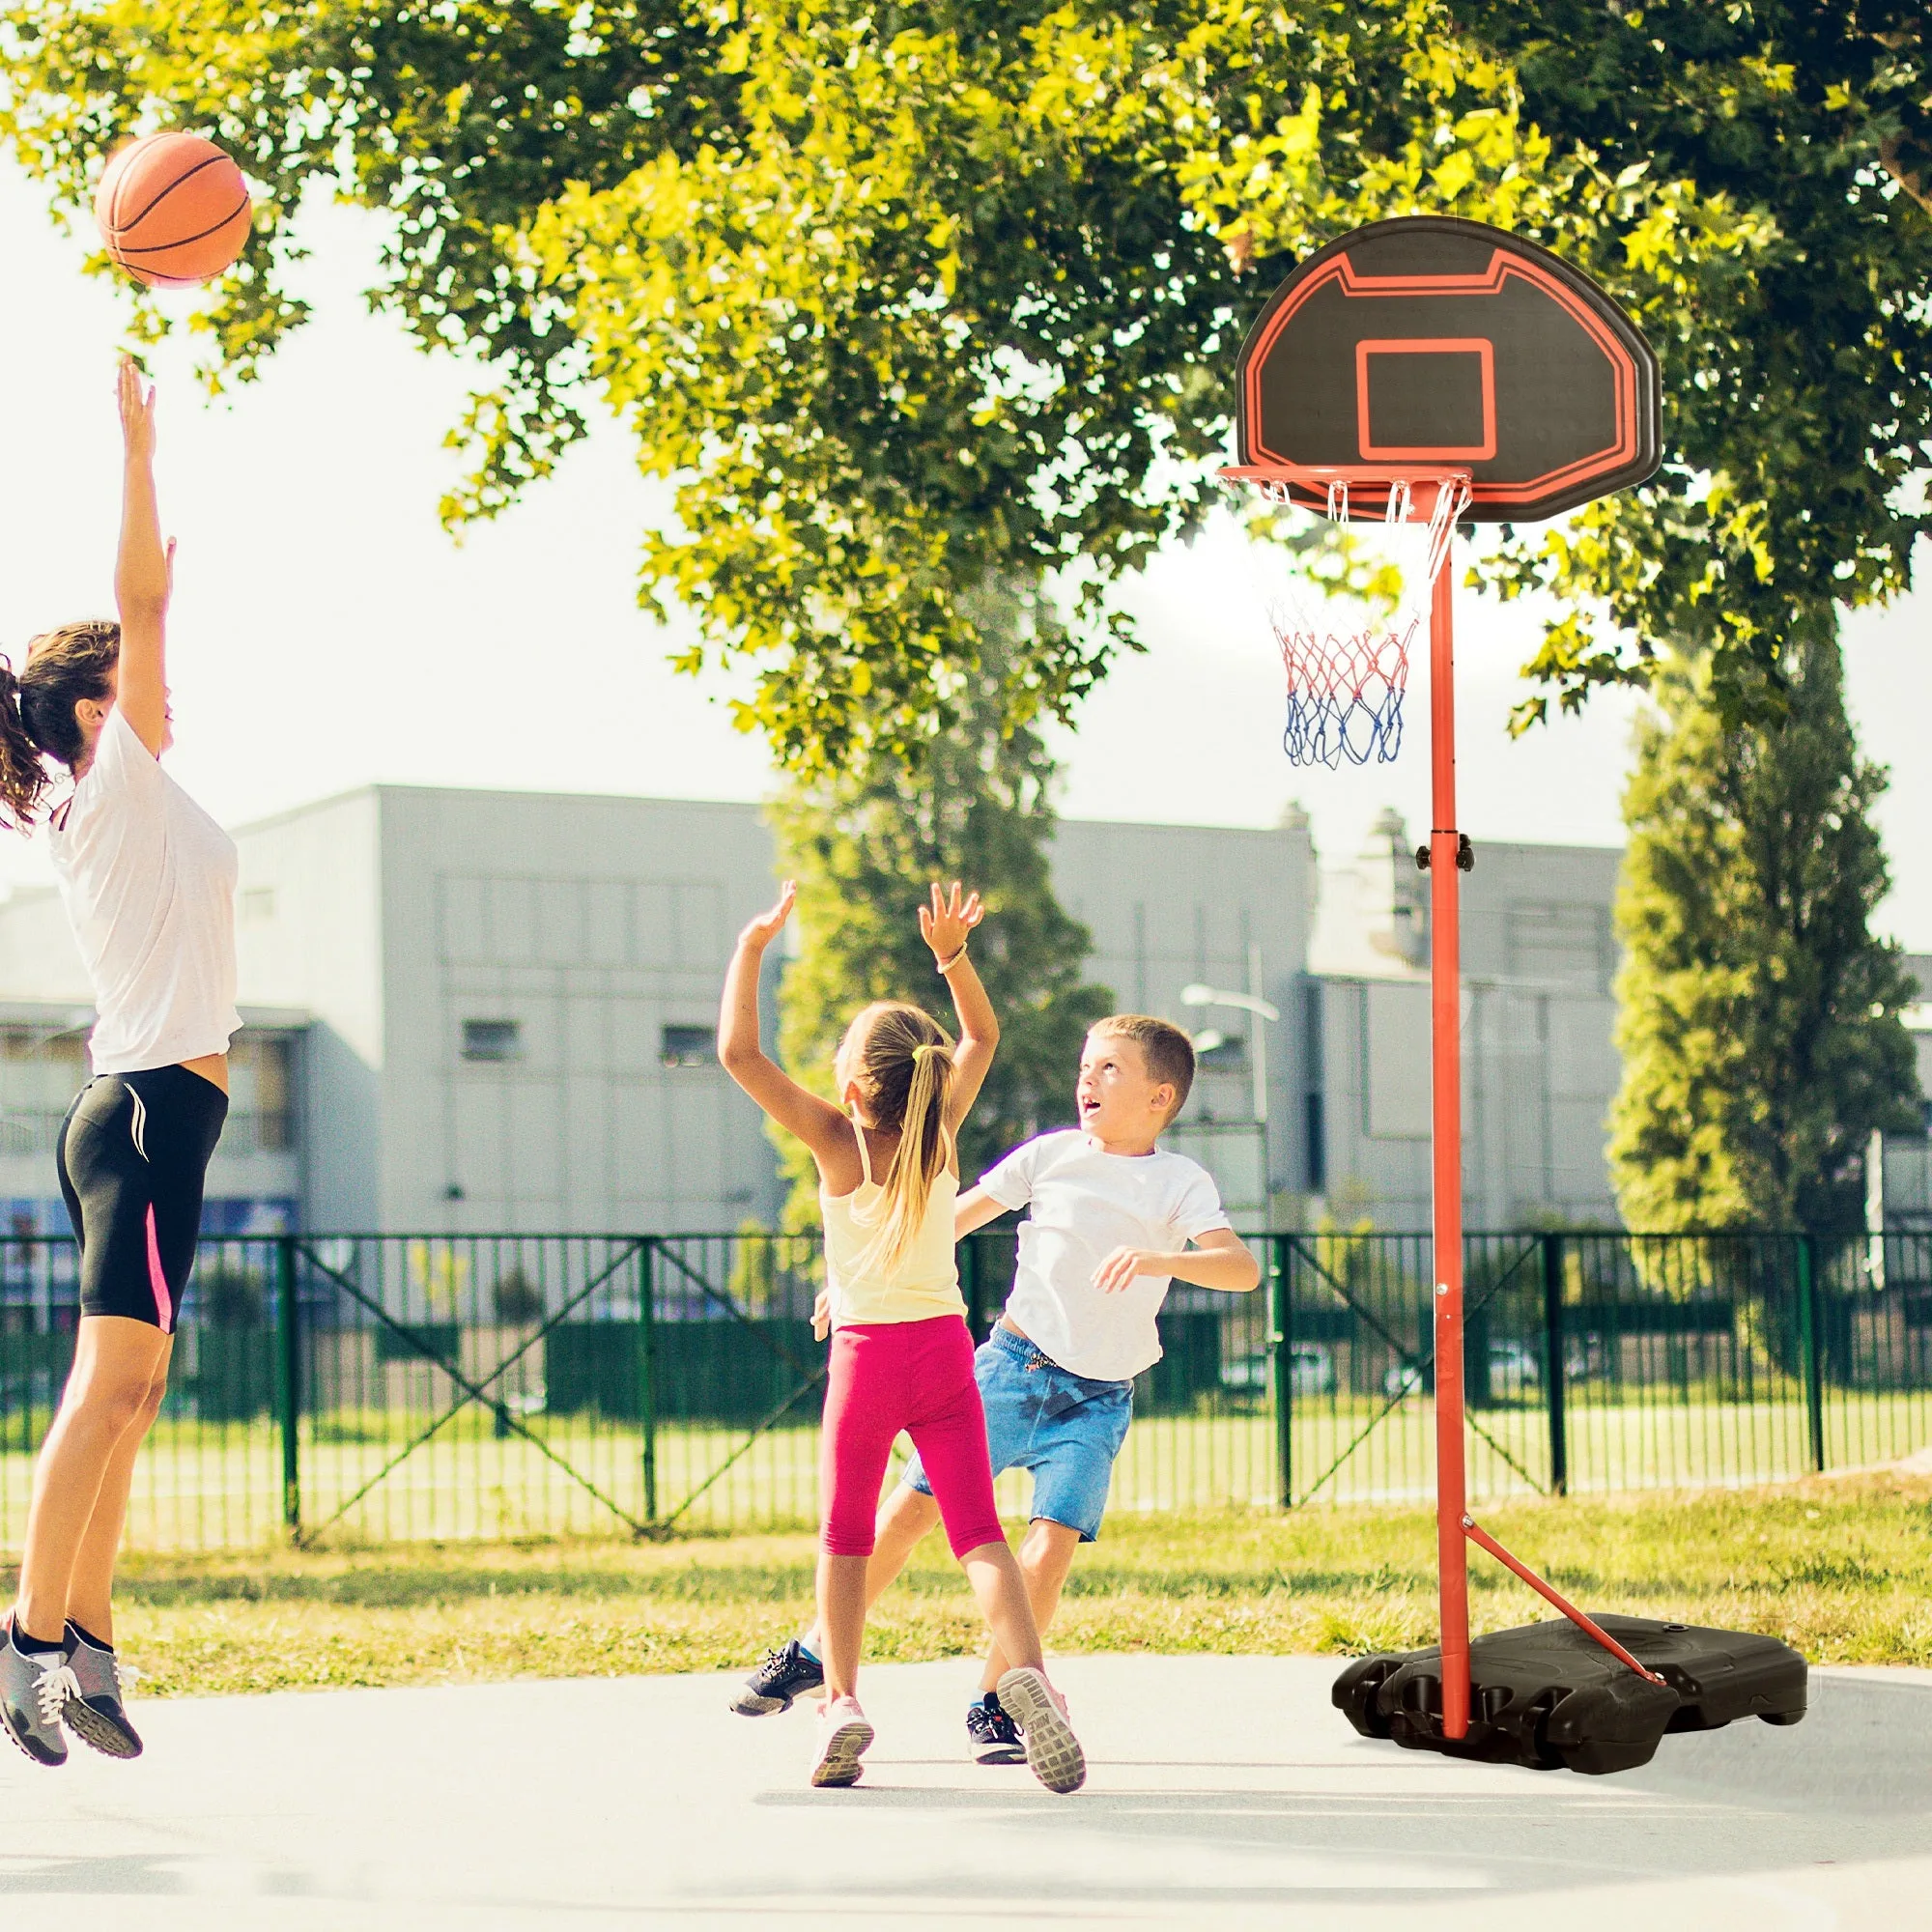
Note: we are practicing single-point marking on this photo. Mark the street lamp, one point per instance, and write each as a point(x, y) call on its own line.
point(1198, 995)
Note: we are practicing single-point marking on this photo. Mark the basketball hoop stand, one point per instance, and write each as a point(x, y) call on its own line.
point(1421, 351)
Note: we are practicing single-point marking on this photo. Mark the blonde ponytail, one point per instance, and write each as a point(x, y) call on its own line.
point(906, 1063)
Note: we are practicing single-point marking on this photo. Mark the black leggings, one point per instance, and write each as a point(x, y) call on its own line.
point(133, 1160)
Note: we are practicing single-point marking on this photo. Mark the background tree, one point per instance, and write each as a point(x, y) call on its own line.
point(908, 304)
point(1758, 1016)
point(865, 844)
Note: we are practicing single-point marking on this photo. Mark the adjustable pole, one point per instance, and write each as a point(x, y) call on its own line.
point(1446, 1120)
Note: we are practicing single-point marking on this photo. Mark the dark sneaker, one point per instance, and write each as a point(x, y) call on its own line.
point(94, 1710)
point(844, 1735)
point(991, 1735)
point(33, 1688)
point(784, 1675)
point(1052, 1750)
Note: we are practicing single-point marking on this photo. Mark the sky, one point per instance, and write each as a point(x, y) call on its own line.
point(327, 633)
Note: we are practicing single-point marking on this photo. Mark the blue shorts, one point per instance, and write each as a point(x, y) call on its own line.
point(1062, 1426)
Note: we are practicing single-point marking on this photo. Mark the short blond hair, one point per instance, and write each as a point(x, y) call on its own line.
point(1167, 1051)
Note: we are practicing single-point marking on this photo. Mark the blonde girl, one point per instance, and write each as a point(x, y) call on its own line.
point(901, 1354)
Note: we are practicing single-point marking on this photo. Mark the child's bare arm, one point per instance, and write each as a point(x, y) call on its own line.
point(973, 1211)
point(819, 1124)
point(1218, 1258)
point(944, 925)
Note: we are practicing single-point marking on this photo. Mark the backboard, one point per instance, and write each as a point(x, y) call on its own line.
point(1430, 343)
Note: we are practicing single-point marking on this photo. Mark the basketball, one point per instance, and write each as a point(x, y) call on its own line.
point(173, 210)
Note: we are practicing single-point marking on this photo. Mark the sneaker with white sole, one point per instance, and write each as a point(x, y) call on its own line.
point(33, 1688)
point(1053, 1752)
point(95, 1712)
point(991, 1735)
point(844, 1736)
point(784, 1674)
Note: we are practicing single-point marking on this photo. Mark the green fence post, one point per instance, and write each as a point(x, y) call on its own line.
point(1281, 1316)
point(647, 1404)
point(1553, 1364)
point(1807, 1340)
point(287, 1333)
point(969, 1284)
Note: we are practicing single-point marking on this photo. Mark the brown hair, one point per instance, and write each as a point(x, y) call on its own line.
point(1167, 1051)
point(905, 1065)
point(36, 709)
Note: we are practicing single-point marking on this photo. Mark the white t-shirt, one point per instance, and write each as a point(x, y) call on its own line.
point(149, 883)
point(1085, 1204)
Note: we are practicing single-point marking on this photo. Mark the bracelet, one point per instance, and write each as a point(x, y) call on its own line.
point(944, 966)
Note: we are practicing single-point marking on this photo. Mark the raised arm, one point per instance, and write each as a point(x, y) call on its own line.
point(945, 925)
point(819, 1124)
point(143, 571)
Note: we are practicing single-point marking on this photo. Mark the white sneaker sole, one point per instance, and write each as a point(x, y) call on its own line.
point(1053, 1752)
point(839, 1757)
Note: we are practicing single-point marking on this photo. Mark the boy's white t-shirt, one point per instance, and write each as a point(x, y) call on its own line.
point(1084, 1203)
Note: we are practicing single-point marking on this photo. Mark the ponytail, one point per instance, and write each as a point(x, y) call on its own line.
point(907, 1063)
point(37, 717)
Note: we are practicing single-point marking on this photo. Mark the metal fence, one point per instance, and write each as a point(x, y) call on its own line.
point(375, 1388)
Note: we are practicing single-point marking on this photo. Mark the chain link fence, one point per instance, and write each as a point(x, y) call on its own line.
point(379, 1388)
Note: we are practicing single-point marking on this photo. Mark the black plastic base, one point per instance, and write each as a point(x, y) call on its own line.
point(1551, 1698)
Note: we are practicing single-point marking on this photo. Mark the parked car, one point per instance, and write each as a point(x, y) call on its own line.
point(1513, 1368)
point(1310, 1371)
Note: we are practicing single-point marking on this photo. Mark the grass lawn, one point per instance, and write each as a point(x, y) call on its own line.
point(1840, 1567)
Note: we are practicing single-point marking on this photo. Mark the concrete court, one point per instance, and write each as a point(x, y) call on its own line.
point(1225, 1792)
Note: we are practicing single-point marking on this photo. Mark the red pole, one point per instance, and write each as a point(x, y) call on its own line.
point(1445, 981)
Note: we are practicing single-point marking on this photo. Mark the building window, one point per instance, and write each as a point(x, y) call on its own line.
point(492, 1040)
point(688, 1045)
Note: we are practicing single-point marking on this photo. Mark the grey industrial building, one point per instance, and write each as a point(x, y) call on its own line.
point(481, 1010)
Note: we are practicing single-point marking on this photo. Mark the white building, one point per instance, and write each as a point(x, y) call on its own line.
point(492, 1010)
point(1539, 1069)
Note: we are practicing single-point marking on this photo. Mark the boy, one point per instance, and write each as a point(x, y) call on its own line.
point(1111, 1222)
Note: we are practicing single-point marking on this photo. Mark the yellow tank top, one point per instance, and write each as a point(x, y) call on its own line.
point(923, 1283)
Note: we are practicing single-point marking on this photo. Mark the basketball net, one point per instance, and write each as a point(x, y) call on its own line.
point(1346, 687)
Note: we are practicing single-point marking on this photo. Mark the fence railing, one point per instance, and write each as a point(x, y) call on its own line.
point(388, 1387)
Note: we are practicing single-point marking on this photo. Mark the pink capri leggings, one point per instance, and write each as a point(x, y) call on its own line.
point(914, 1375)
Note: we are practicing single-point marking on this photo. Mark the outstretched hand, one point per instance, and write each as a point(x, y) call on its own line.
point(137, 412)
point(945, 924)
point(759, 932)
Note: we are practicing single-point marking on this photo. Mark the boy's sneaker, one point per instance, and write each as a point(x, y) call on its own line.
point(1052, 1751)
point(844, 1736)
point(991, 1735)
point(784, 1675)
point(33, 1688)
point(94, 1711)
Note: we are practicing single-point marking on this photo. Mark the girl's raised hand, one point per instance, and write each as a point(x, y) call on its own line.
point(137, 412)
point(945, 924)
point(762, 930)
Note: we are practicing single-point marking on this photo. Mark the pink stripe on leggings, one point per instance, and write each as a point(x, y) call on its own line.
point(158, 1280)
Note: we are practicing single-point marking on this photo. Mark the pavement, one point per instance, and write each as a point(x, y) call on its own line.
point(1224, 1792)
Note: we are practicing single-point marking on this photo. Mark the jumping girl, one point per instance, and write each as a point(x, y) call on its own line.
point(149, 882)
point(901, 1354)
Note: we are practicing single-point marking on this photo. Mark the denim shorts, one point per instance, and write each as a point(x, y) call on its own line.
point(1062, 1426)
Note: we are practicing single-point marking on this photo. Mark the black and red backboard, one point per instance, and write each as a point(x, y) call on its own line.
point(1431, 342)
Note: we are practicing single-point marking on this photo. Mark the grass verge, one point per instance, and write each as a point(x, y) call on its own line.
point(1841, 1568)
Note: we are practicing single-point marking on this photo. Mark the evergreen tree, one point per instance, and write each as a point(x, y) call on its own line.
point(1759, 1016)
point(864, 842)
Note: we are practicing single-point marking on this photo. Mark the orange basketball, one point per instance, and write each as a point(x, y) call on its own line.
point(173, 210)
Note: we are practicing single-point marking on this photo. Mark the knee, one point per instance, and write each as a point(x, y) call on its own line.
point(116, 1404)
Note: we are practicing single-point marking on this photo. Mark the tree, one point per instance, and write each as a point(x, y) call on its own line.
point(908, 304)
point(864, 846)
point(1758, 1016)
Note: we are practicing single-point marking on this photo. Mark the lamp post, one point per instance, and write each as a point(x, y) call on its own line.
point(1198, 995)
